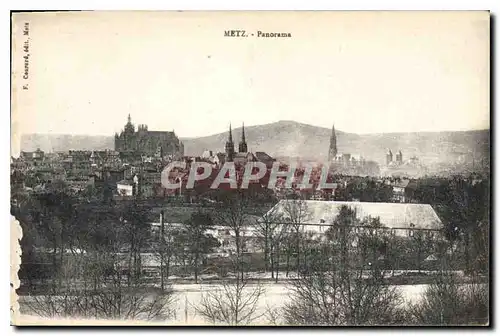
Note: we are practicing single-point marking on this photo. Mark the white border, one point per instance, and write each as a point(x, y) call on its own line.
point(492, 5)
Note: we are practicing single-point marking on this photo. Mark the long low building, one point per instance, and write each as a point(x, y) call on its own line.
point(317, 216)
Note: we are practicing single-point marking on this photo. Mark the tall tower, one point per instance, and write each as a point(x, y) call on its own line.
point(332, 152)
point(243, 148)
point(129, 127)
point(399, 157)
point(125, 141)
point(388, 157)
point(230, 146)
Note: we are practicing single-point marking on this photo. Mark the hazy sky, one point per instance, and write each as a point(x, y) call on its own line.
point(367, 72)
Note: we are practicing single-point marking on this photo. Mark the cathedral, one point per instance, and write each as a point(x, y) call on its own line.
point(347, 163)
point(151, 143)
point(342, 159)
point(242, 156)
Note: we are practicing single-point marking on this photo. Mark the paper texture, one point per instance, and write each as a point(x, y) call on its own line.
point(414, 84)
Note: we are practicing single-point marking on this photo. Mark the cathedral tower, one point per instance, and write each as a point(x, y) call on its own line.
point(388, 157)
point(145, 142)
point(129, 127)
point(230, 146)
point(399, 157)
point(333, 145)
point(243, 148)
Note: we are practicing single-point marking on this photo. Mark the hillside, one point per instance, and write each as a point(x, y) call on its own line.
point(65, 142)
point(293, 139)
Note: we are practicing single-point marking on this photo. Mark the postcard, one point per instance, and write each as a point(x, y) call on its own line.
point(298, 168)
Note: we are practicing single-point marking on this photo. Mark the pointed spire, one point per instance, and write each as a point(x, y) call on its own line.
point(332, 152)
point(129, 127)
point(230, 146)
point(243, 148)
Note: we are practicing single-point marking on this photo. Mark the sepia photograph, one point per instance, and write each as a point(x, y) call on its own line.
point(250, 168)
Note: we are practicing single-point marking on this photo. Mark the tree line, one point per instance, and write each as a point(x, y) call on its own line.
point(345, 271)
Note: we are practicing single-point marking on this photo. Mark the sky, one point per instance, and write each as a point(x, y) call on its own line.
point(366, 72)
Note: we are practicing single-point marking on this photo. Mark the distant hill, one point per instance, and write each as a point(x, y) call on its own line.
point(293, 139)
point(65, 142)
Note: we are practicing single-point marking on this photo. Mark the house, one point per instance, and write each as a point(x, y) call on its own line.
point(100, 158)
point(79, 183)
point(125, 188)
point(244, 157)
point(220, 158)
point(207, 154)
point(402, 190)
point(317, 216)
point(347, 160)
point(35, 156)
point(249, 237)
point(150, 263)
point(265, 158)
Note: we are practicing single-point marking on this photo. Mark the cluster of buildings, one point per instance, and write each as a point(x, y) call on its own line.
point(397, 219)
point(134, 169)
point(342, 160)
point(240, 157)
point(348, 163)
point(389, 158)
point(313, 221)
point(156, 144)
point(395, 165)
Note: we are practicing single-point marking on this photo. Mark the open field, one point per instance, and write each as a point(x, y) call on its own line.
point(187, 298)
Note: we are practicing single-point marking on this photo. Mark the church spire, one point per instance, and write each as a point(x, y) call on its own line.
point(230, 146)
point(129, 127)
point(243, 148)
point(332, 152)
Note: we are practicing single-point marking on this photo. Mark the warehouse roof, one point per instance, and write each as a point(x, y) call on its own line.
point(392, 215)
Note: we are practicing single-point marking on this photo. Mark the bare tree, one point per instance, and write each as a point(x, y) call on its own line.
point(270, 230)
point(198, 241)
point(134, 233)
point(93, 280)
point(341, 288)
point(274, 315)
point(448, 302)
point(236, 301)
point(295, 214)
point(113, 297)
point(421, 245)
point(172, 245)
point(232, 213)
point(233, 303)
point(53, 215)
point(165, 250)
point(277, 242)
